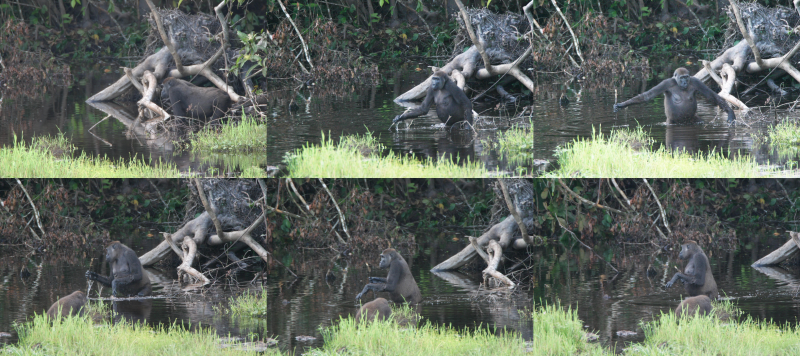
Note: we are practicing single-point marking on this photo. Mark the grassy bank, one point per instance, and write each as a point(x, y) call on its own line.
point(389, 338)
point(626, 153)
point(80, 336)
point(51, 157)
point(248, 135)
point(360, 156)
point(557, 331)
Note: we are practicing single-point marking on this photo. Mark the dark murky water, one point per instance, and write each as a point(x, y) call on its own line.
point(297, 306)
point(372, 109)
point(55, 109)
point(608, 302)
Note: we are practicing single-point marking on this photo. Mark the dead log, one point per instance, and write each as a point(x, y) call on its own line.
point(491, 269)
point(787, 251)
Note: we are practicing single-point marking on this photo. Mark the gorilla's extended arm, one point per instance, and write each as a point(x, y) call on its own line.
point(712, 96)
point(665, 85)
point(374, 287)
point(100, 278)
point(695, 272)
point(419, 110)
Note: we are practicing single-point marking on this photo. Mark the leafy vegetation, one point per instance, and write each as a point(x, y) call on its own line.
point(248, 135)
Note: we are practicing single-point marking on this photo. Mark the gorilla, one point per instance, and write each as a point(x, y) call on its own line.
point(69, 305)
point(378, 308)
point(189, 100)
point(680, 105)
point(692, 305)
point(127, 275)
point(452, 105)
point(696, 276)
point(399, 282)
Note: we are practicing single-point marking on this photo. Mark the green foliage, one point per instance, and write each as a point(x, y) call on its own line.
point(249, 304)
point(246, 135)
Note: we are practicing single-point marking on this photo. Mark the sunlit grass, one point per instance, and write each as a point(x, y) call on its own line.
point(389, 338)
point(785, 133)
point(516, 142)
point(557, 331)
point(250, 304)
point(627, 155)
point(360, 156)
point(248, 135)
point(80, 336)
point(38, 160)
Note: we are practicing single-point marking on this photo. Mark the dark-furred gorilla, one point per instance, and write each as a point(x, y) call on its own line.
point(680, 105)
point(452, 105)
point(696, 276)
point(399, 282)
point(127, 275)
point(692, 305)
point(378, 308)
point(188, 100)
point(69, 305)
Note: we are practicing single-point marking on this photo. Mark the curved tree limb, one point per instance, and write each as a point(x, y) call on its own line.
point(513, 209)
point(165, 39)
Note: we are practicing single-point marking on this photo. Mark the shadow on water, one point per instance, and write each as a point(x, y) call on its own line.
point(358, 110)
point(608, 302)
point(63, 110)
point(296, 306)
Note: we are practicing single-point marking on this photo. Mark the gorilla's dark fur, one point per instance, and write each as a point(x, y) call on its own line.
point(692, 305)
point(186, 99)
point(127, 276)
point(680, 106)
point(378, 308)
point(399, 282)
point(69, 305)
point(452, 105)
point(696, 276)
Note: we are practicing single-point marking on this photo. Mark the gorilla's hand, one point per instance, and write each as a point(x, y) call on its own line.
point(91, 275)
point(396, 119)
point(617, 106)
point(731, 119)
point(358, 297)
point(114, 285)
point(670, 283)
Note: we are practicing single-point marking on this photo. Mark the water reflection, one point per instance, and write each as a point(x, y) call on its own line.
point(58, 109)
point(608, 302)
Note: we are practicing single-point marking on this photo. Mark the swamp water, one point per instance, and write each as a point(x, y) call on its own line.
point(371, 109)
point(608, 302)
point(296, 306)
point(62, 109)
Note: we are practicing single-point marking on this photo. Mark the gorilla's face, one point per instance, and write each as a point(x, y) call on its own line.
point(437, 83)
point(683, 81)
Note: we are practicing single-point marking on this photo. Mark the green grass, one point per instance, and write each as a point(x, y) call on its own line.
point(249, 304)
point(38, 160)
point(79, 336)
point(627, 154)
point(516, 142)
point(248, 135)
point(360, 156)
point(388, 338)
point(559, 332)
point(785, 133)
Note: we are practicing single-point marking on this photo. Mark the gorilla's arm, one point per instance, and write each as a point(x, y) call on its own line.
point(419, 110)
point(665, 85)
point(695, 272)
point(712, 96)
point(377, 280)
point(374, 287)
point(100, 278)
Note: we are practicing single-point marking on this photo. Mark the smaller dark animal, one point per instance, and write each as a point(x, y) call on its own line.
point(399, 282)
point(680, 105)
point(69, 305)
point(127, 275)
point(378, 308)
point(692, 305)
point(188, 100)
point(696, 276)
point(452, 105)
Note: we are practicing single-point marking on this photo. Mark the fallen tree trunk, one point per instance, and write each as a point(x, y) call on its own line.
point(783, 253)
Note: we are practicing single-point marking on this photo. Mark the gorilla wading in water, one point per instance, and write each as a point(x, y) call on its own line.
point(680, 105)
point(127, 276)
point(189, 100)
point(452, 105)
point(399, 282)
point(696, 277)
